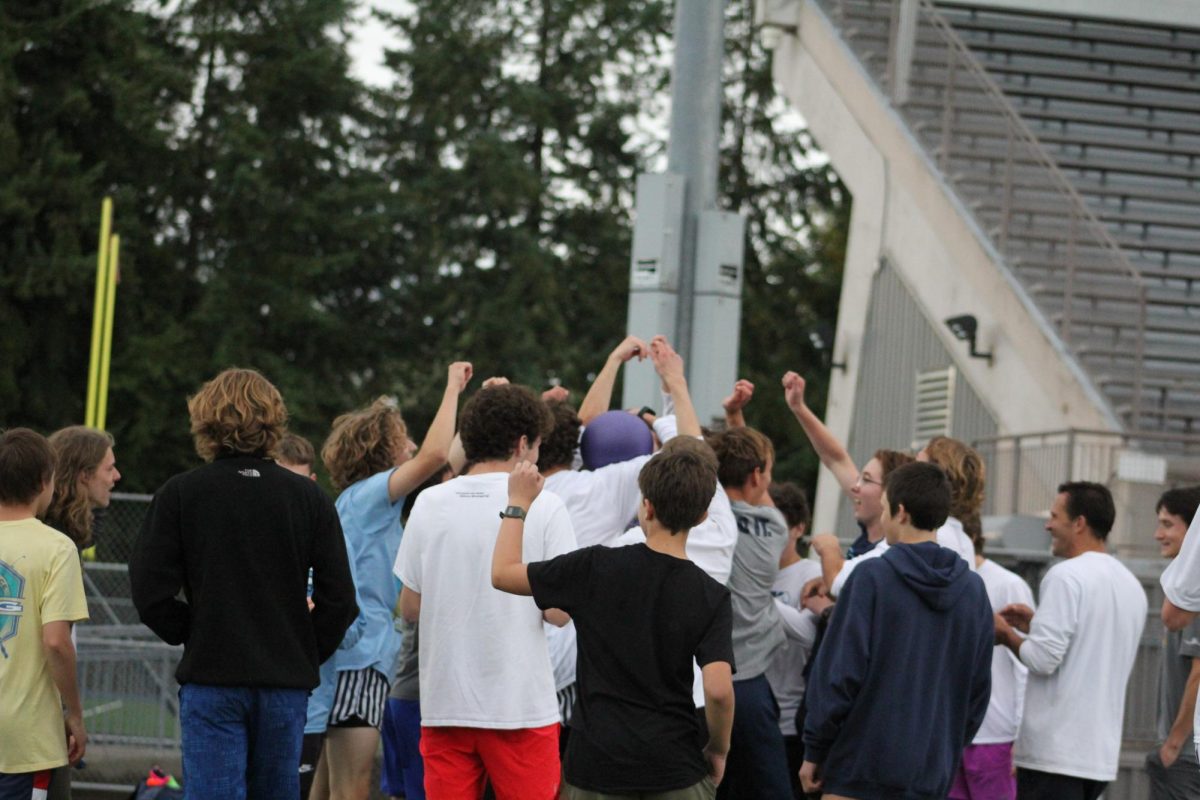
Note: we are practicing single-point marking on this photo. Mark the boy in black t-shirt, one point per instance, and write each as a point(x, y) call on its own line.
point(642, 613)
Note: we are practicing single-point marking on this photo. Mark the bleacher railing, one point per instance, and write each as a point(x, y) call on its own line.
point(1073, 275)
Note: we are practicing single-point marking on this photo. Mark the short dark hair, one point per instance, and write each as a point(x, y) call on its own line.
point(1181, 502)
point(740, 451)
point(558, 446)
point(924, 491)
point(792, 502)
point(496, 417)
point(1093, 502)
point(26, 465)
point(680, 481)
point(294, 449)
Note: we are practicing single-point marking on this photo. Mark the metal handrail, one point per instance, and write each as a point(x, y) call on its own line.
point(1017, 132)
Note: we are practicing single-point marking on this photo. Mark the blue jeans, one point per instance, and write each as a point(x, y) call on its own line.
point(403, 773)
point(757, 764)
point(241, 743)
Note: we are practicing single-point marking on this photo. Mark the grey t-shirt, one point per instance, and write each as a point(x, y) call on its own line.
point(407, 685)
point(1179, 648)
point(757, 628)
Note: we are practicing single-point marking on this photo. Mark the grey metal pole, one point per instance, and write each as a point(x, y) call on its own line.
point(695, 146)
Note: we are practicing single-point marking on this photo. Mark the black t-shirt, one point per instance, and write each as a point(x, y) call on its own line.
point(641, 616)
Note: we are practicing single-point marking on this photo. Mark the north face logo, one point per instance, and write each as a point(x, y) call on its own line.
point(249, 473)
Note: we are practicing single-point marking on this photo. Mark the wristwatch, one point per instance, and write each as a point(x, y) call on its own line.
point(513, 512)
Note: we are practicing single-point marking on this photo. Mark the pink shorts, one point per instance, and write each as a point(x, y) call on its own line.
point(522, 764)
point(986, 773)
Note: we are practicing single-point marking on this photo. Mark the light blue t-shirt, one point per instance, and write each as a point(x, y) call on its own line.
point(371, 524)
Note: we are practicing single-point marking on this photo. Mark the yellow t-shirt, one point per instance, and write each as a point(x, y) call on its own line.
point(40, 582)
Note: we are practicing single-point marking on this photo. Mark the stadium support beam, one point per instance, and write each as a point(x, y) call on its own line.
point(686, 265)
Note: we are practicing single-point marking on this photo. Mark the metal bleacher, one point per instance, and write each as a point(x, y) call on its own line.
point(1076, 144)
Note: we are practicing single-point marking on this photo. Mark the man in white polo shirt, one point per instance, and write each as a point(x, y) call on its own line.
point(1080, 649)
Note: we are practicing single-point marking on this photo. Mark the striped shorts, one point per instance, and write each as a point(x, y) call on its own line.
point(359, 699)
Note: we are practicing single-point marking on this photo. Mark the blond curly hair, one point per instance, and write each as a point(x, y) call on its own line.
point(239, 411)
point(364, 442)
point(966, 471)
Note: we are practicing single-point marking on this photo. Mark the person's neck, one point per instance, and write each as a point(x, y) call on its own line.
point(742, 494)
point(790, 556)
point(17, 511)
point(554, 470)
point(1089, 544)
point(979, 559)
point(874, 531)
point(911, 535)
point(661, 540)
point(481, 467)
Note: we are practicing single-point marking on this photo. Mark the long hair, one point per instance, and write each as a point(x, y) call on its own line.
point(239, 411)
point(78, 452)
point(966, 472)
point(363, 442)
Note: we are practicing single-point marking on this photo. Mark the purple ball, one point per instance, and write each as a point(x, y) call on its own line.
point(614, 436)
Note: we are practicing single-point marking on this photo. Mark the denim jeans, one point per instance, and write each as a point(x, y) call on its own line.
point(241, 743)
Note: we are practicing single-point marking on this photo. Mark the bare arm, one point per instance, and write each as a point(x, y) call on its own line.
point(669, 366)
point(829, 552)
point(717, 678)
point(1174, 617)
point(831, 452)
point(743, 391)
point(1181, 729)
point(60, 659)
point(410, 605)
point(509, 572)
point(599, 396)
point(435, 450)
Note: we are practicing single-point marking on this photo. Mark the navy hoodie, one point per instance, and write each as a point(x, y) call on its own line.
point(902, 680)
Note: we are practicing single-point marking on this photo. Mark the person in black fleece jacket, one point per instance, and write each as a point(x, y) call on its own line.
point(238, 537)
point(902, 681)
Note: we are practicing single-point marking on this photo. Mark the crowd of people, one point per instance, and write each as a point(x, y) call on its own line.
point(547, 601)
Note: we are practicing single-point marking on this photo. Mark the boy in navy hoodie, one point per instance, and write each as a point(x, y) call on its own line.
point(902, 680)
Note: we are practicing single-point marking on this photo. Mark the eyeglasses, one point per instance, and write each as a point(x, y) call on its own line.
point(866, 480)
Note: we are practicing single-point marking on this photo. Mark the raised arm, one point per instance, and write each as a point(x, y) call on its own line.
point(509, 571)
point(599, 396)
point(669, 366)
point(831, 452)
point(435, 450)
point(743, 391)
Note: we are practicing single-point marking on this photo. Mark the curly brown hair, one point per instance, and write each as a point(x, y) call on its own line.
point(239, 411)
point(558, 446)
point(740, 451)
point(294, 449)
point(889, 460)
point(363, 443)
point(496, 417)
point(78, 451)
point(966, 471)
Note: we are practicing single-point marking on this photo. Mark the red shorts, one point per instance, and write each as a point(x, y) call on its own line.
point(522, 764)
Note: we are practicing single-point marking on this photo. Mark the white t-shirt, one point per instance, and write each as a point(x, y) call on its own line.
point(785, 674)
point(1080, 650)
point(602, 502)
point(950, 535)
point(1181, 585)
point(483, 657)
point(1181, 579)
point(710, 547)
point(1007, 702)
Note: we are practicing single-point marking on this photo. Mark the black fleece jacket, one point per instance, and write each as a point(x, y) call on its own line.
point(238, 537)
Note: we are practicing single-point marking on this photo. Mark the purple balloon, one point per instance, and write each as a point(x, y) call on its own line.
point(614, 436)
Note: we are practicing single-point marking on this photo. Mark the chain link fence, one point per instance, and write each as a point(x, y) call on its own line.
point(126, 675)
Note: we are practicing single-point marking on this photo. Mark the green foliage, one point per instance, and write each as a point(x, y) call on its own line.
point(351, 241)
